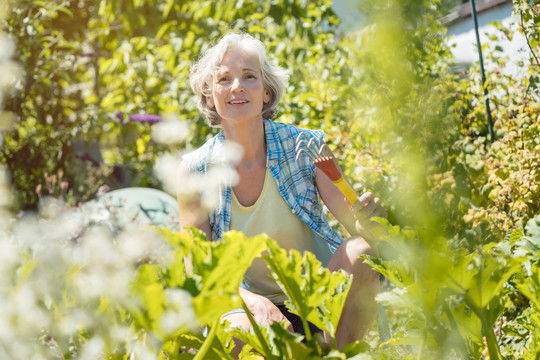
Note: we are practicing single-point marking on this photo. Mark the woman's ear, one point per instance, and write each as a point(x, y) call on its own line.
point(266, 97)
point(210, 101)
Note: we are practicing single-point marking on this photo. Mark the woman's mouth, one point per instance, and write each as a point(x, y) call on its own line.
point(237, 101)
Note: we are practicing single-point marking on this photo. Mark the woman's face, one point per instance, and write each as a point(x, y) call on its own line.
point(237, 88)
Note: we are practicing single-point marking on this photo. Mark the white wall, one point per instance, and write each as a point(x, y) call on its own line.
point(463, 36)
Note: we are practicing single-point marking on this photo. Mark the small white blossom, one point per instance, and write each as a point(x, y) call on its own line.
point(93, 349)
point(170, 131)
point(166, 170)
point(179, 313)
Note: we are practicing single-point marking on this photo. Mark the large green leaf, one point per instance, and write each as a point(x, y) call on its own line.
point(218, 269)
point(150, 303)
point(283, 343)
point(530, 286)
point(309, 286)
point(491, 275)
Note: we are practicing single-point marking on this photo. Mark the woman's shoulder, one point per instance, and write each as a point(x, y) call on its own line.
point(199, 158)
point(287, 131)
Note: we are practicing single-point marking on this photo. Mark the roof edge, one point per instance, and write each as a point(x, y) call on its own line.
point(463, 11)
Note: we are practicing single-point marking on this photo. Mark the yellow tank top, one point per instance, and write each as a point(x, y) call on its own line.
point(271, 215)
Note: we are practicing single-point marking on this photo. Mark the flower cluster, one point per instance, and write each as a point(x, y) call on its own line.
point(69, 274)
point(141, 118)
point(145, 118)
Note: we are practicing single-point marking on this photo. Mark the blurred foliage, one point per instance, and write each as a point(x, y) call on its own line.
point(86, 61)
point(462, 255)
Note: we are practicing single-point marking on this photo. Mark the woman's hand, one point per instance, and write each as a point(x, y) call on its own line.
point(366, 208)
point(263, 310)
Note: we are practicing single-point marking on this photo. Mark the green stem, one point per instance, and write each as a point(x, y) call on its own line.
point(266, 349)
point(421, 346)
point(493, 346)
point(461, 347)
point(307, 331)
point(201, 354)
point(487, 329)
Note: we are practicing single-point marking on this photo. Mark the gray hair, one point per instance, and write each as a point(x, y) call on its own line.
point(274, 78)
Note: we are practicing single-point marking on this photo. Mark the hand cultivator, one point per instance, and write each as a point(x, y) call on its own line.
point(322, 157)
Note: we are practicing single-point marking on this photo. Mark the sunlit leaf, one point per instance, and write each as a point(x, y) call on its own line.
point(308, 285)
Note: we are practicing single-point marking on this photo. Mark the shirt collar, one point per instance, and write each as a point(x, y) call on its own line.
point(273, 143)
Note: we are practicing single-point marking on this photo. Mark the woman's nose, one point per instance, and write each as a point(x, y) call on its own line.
point(237, 86)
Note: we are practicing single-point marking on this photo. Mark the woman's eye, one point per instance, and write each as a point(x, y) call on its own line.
point(223, 79)
point(251, 76)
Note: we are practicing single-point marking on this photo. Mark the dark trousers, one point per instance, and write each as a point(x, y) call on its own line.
point(296, 322)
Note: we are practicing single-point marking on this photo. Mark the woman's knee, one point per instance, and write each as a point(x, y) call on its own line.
point(349, 258)
point(356, 247)
point(237, 320)
point(348, 254)
point(240, 320)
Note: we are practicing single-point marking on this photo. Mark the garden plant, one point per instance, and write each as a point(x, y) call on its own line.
point(94, 96)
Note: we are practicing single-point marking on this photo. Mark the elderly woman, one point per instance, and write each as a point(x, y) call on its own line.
point(238, 90)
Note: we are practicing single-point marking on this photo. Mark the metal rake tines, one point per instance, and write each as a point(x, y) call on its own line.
point(316, 150)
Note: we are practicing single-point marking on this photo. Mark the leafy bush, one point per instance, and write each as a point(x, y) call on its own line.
point(94, 68)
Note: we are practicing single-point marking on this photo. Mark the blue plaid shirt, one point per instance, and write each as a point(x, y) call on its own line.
point(295, 179)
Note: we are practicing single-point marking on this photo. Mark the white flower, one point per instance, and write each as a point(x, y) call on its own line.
point(73, 322)
point(28, 233)
point(170, 131)
point(9, 258)
point(166, 170)
point(179, 313)
point(132, 245)
point(230, 153)
point(92, 349)
point(96, 247)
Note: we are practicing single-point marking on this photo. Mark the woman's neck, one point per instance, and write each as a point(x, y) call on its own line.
point(251, 137)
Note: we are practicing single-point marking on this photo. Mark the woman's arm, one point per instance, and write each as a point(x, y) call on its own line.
point(191, 211)
point(356, 219)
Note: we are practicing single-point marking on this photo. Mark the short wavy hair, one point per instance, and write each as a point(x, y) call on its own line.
point(274, 78)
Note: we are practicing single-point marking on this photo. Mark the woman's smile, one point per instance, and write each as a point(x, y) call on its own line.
point(238, 102)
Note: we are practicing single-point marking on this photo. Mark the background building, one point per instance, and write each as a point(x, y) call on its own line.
point(461, 33)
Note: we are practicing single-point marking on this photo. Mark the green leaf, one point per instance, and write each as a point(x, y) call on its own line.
point(355, 348)
point(468, 323)
point(533, 227)
point(151, 294)
point(219, 268)
point(398, 298)
point(513, 236)
point(167, 9)
point(491, 275)
point(396, 272)
point(163, 30)
point(460, 277)
point(211, 305)
point(66, 11)
point(283, 343)
point(249, 337)
point(309, 286)
point(530, 286)
point(333, 305)
point(224, 265)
